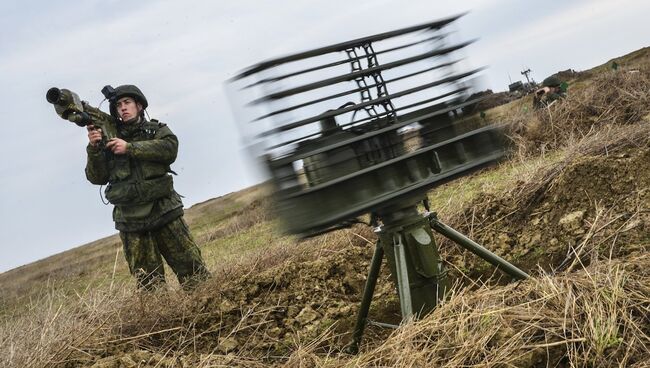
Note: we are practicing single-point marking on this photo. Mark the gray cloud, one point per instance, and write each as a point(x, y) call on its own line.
point(180, 53)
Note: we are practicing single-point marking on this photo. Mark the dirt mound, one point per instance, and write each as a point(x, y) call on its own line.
point(566, 75)
point(588, 207)
point(601, 200)
point(490, 100)
point(591, 209)
point(298, 310)
point(260, 316)
point(596, 317)
point(611, 98)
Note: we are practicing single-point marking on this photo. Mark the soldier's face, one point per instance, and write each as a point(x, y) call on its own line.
point(127, 108)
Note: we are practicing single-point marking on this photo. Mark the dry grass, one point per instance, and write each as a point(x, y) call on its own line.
point(113, 324)
point(609, 140)
point(612, 98)
point(53, 325)
point(526, 323)
point(74, 270)
point(595, 313)
point(596, 317)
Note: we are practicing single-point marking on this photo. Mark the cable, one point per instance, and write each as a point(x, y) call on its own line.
point(102, 197)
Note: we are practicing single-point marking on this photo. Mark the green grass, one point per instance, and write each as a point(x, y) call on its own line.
point(73, 271)
point(450, 198)
point(94, 263)
point(234, 230)
point(238, 244)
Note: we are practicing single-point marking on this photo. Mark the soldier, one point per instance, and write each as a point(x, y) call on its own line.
point(551, 91)
point(148, 212)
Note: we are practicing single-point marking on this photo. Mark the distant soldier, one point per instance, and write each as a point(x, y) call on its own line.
point(148, 212)
point(551, 91)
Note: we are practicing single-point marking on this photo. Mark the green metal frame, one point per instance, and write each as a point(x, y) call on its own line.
point(416, 300)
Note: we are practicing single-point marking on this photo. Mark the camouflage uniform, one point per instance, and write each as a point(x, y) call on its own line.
point(546, 99)
point(148, 212)
point(174, 242)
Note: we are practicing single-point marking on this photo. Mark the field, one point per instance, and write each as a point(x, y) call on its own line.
point(570, 206)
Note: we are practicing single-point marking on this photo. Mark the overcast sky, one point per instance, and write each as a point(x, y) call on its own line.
point(180, 53)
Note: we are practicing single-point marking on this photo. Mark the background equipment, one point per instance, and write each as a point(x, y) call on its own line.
point(368, 126)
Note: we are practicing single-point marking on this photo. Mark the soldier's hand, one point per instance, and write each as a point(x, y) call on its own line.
point(117, 146)
point(542, 91)
point(94, 135)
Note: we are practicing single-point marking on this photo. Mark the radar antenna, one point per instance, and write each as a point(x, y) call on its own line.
point(368, 126)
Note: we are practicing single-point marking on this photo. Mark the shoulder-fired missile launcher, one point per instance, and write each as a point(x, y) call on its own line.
point(69, 106)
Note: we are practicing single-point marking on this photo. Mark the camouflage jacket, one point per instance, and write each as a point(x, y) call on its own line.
point(139, 183)
point(547, 98)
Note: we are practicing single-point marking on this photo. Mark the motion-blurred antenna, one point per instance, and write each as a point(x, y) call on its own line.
point(369, 126)
point(525, 73)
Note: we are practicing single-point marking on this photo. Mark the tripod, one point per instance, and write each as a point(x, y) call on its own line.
point(406, 239)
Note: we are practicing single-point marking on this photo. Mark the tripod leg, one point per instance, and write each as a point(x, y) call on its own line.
point(403, 285)
point(368, 290)
point(477, 249)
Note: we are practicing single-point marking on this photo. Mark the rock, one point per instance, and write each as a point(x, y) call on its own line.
point(306, 315)
point(353, 285)
point(227, 306)
point(227, 344)
point(503, 241)
point(572, 222)
point(530, 239)
point(338, 311)
point(292, 311)
point(535, 238)
point(274, 332)
point(143, 356)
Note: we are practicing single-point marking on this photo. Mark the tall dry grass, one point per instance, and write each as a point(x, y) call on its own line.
point(597, 317)
point(113, 324)
point(593, 316)
point(611, 98)
point(47, 332)
point(609, 140)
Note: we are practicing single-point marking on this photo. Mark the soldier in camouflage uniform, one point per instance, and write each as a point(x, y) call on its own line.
point(148, 212)
point(550, 92)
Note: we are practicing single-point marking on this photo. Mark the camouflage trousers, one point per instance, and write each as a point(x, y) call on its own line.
point(144, 252)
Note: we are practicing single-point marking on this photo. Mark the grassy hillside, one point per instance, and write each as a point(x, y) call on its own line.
point(217, 225)
point(570, 207)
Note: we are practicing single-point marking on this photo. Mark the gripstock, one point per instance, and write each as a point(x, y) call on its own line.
point(69, 106)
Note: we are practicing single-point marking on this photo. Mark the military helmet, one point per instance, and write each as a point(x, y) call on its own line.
point(551, 81)
point(127, 90)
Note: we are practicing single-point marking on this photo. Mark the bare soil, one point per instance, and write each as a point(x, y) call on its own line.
point(263, 318)
point(581, 226)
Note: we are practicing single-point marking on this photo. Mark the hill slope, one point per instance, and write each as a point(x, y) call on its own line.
point(570, 207)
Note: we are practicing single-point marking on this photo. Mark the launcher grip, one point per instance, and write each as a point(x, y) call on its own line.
point(69, 107)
